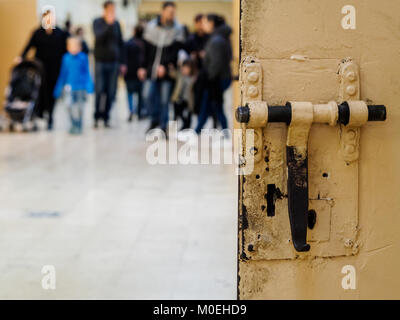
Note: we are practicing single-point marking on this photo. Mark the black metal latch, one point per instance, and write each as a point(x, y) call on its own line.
point(299, 116)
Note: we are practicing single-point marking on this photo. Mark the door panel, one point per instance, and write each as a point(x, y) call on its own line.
point(300, 46)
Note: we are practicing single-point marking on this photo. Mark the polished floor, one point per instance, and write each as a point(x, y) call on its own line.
point(112, 225)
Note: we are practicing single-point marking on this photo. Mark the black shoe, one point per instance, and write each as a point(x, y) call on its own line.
point(107, 125)
point(152, 126)
point(184, 127)
point(165, 133)
point(96, 124)
point(130, 117)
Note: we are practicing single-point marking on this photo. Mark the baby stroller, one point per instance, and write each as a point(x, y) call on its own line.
point(22, 94)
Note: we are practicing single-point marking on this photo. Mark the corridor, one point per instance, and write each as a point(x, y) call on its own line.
point(112, 225)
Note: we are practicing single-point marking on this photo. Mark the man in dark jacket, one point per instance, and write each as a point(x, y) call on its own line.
point(195, 47)
point(163, 38)
point(134, 50)
point(196, 41)
point(109, 56)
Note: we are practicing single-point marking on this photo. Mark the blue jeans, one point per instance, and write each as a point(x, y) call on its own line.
point(106, 77)
point(213, 105)
point(76, 104)
point(156, 98)
point(134, 87)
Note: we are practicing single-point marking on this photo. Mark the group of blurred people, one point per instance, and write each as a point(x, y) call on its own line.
point(163, 65)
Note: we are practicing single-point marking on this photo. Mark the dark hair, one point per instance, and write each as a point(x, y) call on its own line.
point(186, 30)
point(108, 3)
point(189, 63)
point(167, 4)
point(138, 30)
point(216, 19)
point(78, 30)
point(198, 17)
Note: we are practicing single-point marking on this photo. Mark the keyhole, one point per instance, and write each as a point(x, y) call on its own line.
point(312, 219)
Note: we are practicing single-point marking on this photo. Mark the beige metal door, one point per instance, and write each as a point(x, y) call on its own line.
point(327, 58)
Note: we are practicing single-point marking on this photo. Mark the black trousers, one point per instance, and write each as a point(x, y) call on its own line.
point(181, 111)
point(46, 99)
point(199, 88)
point(106, 78)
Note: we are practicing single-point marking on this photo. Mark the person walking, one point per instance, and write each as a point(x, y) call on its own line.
point(163, 38)
point(216, 69)
point(109, 61)
point(134, 50)
point(50, 44)
point(183, 97)
point(195, 47)
point(197, 41)
point(79, 32)
point(75, 77)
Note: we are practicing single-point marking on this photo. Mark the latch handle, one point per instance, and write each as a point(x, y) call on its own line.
point(297, 184)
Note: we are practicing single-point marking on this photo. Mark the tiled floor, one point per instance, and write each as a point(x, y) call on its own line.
point(113, 226)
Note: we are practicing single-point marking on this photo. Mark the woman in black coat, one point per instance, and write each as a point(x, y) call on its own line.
point(50, 45)
point(216, 71)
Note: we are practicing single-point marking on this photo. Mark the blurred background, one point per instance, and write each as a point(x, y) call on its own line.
point(109, 224)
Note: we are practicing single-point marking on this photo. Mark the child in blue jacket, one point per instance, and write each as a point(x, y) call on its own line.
point(75, 77)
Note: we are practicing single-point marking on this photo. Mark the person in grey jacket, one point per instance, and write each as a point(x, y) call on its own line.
point(163, 38)
point(216, 72)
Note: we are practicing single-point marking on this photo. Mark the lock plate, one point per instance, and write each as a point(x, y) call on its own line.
point(333, 182)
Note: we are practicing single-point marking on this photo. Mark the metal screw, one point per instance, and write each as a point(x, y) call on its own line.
point(351, 90)
point(350, 148)
point(252, 91)
point(350, 134)
point(351, 76)
point(253, 77)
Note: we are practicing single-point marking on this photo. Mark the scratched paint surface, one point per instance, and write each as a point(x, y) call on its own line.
point(332, 183)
